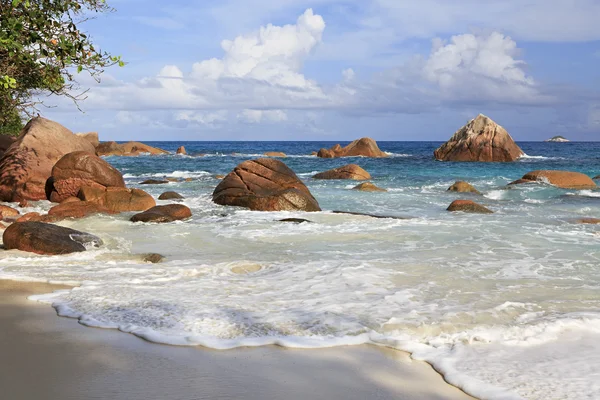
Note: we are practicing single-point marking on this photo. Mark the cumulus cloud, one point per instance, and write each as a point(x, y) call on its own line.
point(258, 116)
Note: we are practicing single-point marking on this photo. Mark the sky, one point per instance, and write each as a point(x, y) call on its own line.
point(338, 70)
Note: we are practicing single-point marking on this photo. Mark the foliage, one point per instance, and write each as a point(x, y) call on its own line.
point(41, 47)
point(12, 124)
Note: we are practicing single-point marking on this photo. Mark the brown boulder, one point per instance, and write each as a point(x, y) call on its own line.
point(79, 209)
point(42, 238)
point(78, 169)
point(463, 187)
point(468, 206)
point(6, 211)
point(91, 137)
point(275, 154)
point(480, 140)
point(264, 184)
point(5, 142)
point(592, 221)
point(170, 196)
point(368, 187)
point(181, 150)
point(350, 171)
point(127, 149)
point(365, 147)
point(167, 213)
point(153, 258)
point(31, 216)
point(561, 179)
point(27, 164)
point(118, 199)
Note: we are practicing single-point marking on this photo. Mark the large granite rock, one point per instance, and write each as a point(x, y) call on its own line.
point(365, 147)
point(562, 179)
point(264, 184)
point(166, 213)
point(463, 187)
point(127, 149)
point(27, 164)
point(79, 209)
point(91, 137)
point(468, 206)
point(480, 140)
point(78, 169)
point(350, 171)
point(117, 199)
point(42, 238)
point(5, 142)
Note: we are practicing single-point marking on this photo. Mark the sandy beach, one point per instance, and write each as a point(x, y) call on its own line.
point(48, 357)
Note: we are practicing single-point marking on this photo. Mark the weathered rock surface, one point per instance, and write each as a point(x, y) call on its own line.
point(561, 179)
point(181, 150)
point(153, 182)
point(91, 137)
point(463, 187)
point(6, 211)
point(127, 149)
point(170, 196)
point(166, 213)
point(275, 154)
point(365, 147)
point(5, 142)
point(153, 258)
point(27, 164)
point(368, 187)
point(118, 199)
point(42, 238)
point(264, 184)
point(78, 169)
point(480, 140)
point(468, 206)
point(350, 171)
point(592, 221)
point(79, 209)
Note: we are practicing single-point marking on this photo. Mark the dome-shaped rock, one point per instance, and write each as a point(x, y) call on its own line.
point(368, 187)
point(561, 179)
point(166, 213)
point(468, 206)
point(350, 171)
point(463, 187)
point(365, 147)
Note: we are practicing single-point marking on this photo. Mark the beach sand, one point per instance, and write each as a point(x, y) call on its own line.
point(46, 357)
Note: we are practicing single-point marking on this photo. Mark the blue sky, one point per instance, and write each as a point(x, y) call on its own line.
point(343, 69)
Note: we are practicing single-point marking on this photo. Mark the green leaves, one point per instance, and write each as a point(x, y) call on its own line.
point(7, 82)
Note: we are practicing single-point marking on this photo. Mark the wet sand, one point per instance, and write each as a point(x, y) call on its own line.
point(48, 357)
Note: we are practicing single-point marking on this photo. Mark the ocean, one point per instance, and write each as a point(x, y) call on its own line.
point(505, 306)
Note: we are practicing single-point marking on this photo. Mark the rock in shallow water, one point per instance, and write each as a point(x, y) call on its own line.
point(468, 206)
point(561, 179)
point(265, 184)
point(170, 196)
point(166, 213)
point(368, 187)
point(47, 239)
point(463, 187)
point(350, 171)
point(365, 147)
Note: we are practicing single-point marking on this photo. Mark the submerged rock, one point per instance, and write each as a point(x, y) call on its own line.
point(78, 169)
point(275, 154)
point(368, 187)
point(154, 182)
point(153, 258)
point(365, 147)
point(166, 213)
point(170, 196)
point(468, 206)
point(463, 187)
point(480, 140)
point(27, 164)
point(561, 179)
point(350, 171)
point(265, 184)
point(592, 221)
point(118, 199)
point(294, 220)
point(49, 239)
point(371, 215)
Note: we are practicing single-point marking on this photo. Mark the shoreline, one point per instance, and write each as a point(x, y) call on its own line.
point(58, 358)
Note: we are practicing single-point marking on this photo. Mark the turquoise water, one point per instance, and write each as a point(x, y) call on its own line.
point(504, 305)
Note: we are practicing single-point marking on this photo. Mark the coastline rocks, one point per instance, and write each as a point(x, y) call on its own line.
point(561, 179)
point(153, 182)
point(181, 150)
point(480, 140)
point(27, 164)
point(127, 149)
point(591, 221)
point(79, 209)
point(350, 171)
point(275, 154)
point(78, 169)
point(463, 187)
point(167, 213)
point(368, 187)
point(6, 211)
point(468, 206)
point(365, 147)
point(118, 199)
point(264, 184)
point(47, 239)
point(170, 196)
point(91, 137)
point(153, 258)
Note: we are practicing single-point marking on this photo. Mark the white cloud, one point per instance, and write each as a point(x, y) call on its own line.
point(258, 116)
point(202, 118)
